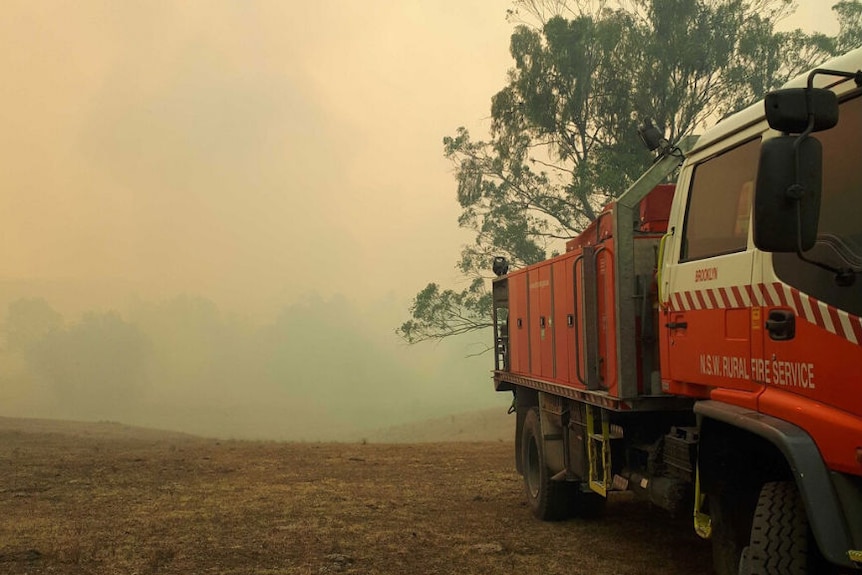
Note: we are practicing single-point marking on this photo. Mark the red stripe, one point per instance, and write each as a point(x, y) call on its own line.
point(836, 321)
point(815, 308)
point(738, 295)
point(797, 303)
point(779, 289)
point(724, 297)
point(752, 298)
point(711, 293)
point(678, 303)
point(767, 297)
point(856, 323)
point(689, 299)
point(702, 301)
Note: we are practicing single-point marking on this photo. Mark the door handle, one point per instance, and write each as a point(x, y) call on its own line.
point(781, 324)
point(677, 325)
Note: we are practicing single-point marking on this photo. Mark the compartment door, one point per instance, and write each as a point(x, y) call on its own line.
point(541, 322)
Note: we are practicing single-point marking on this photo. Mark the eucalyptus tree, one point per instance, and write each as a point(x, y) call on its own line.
point(563, 129)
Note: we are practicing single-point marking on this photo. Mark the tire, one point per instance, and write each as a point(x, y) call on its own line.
point(781, 541)
point(548, 500)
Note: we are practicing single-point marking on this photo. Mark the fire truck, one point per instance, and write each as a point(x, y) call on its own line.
point(700, 343)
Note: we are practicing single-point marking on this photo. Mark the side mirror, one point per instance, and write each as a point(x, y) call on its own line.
point(790, 173)
point(787, 200)
point(793, 110)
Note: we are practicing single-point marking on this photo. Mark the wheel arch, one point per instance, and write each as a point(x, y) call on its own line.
point(785, 451)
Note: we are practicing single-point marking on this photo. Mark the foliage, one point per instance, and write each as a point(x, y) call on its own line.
point(849, 14)
point(194, 347)
point(28, 320)
point(319, 368)
point(444, 313)
point(100, 360)
point(563, 129)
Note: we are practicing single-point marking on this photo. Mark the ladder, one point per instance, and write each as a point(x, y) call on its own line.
point(600, 433)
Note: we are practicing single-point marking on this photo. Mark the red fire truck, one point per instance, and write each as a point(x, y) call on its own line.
point(700, 343)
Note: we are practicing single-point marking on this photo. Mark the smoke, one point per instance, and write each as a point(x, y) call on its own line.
point(246, 154)
point(319, 369)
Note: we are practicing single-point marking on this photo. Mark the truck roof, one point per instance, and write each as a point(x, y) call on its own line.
point(849, 62)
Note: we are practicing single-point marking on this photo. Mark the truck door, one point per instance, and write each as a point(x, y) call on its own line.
point(811, 323)
point(707, 283)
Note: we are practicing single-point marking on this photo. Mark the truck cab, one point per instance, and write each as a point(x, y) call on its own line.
point(771, 336)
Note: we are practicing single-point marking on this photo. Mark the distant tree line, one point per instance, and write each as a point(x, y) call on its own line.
point(317, 363)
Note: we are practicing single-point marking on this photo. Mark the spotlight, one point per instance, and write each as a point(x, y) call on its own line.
point(501, 266)
point(651, 136)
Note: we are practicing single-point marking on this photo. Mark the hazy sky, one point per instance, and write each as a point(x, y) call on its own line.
point(251, 153)
point(244, 149)
point(238, 148)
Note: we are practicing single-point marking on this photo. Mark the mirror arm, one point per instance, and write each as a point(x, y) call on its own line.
point(857, 75)
point(796, 191)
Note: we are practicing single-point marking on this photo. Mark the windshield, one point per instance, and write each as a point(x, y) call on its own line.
point(839, 232)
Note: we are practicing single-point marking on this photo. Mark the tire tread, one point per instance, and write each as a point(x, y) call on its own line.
point(779, 532)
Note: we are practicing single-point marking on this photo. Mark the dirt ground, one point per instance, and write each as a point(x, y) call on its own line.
point(104, 498)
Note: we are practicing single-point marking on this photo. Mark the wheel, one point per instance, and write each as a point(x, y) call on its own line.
point(548, 499)
point(781, 542)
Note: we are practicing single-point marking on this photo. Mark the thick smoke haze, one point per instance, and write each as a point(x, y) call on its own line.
point(215, 213)
point(318, 369)
point(251, 152)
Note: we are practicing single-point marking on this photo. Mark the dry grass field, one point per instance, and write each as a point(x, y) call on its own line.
point(109, 499)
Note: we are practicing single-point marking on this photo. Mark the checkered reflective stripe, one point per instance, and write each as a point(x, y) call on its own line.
point(831, 319)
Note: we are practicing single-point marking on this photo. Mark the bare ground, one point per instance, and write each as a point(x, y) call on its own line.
point(106, 498)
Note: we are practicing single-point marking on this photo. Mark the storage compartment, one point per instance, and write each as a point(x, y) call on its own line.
point(680, 452)
point(564, 315)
